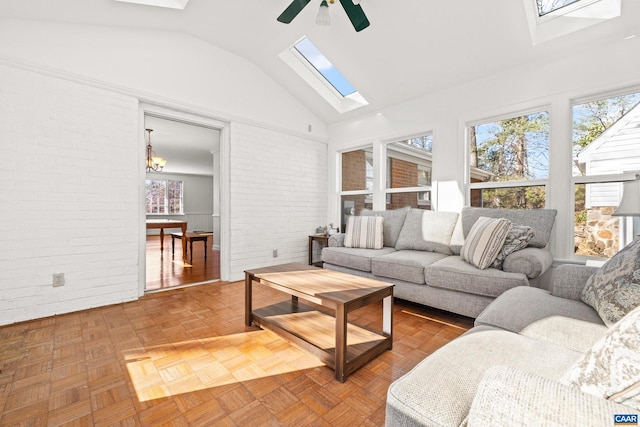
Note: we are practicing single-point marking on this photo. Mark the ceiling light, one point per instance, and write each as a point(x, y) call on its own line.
point(154, 163)
point(323, 17)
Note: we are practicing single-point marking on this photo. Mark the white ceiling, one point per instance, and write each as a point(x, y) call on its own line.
point(412, 48)
point(186, 147)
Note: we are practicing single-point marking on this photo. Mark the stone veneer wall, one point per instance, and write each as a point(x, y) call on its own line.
point(599, 236)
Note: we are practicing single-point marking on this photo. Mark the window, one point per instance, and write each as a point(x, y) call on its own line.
point(164, 197)
point(550, 19)
point(606, 149)
point(509, 162)
point(318, 71)
point(324, 66)
point(547, 6)
point(357, 183)
point(409, 173)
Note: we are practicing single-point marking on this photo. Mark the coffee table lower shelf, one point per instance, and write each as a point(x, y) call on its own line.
point(315, 332)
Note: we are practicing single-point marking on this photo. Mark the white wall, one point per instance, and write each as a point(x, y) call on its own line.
point(159, 66)
point(278, 196)
point(69, 199)
point(596, 69)
point(71, 128)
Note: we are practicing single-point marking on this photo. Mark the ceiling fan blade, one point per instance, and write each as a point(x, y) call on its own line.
point(292, 10)
point(355, 14)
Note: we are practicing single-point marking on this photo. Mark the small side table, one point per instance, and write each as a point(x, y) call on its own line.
point(190, 238)
point(323, 241)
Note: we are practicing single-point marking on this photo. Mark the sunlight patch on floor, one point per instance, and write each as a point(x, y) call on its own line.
point(166, 370)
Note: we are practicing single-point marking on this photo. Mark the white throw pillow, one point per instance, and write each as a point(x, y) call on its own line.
point(364, 232)
point(484, 241)
point(611, 368)
point(438, 226)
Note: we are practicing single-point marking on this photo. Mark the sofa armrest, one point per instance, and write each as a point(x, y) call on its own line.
point(336, 240)
point(511, 397)
point(531, 262)
point(568, 280)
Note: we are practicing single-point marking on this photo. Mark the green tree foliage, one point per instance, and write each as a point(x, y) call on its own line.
point(593, 118)
point(513, 149)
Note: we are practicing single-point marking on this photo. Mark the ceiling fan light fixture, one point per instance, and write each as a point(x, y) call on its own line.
point(323, 17)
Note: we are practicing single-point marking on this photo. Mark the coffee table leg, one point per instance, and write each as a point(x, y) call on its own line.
point(387, 316)
point(341, 343)
point(248, 282)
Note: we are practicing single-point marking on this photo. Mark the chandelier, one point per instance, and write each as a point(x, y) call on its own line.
point(154, 163)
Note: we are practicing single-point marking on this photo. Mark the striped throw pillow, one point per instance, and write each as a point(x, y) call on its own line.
point(364, 232)
point(485, 240)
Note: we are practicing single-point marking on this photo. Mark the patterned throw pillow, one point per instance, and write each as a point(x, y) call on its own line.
point(611, 368)
point(364, 232)
point(614, 290)
point(518, 238)
point(484, 241)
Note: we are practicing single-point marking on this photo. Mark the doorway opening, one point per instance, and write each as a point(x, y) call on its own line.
point(183, 196)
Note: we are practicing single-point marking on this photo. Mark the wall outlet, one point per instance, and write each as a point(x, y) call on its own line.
point(275, 253)
point(58, 279)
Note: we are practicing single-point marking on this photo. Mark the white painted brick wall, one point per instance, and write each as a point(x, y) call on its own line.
point(68, 196)
point(278, 192)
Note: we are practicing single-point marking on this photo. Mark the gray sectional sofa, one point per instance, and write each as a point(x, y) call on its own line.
point(534, 357)
point(421, 256)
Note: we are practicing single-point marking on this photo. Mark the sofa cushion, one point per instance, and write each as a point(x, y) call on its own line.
point(440, 389)
point(392, 224)
point(364, 232)
point(520, 307)
point(531, 262)
point(484, 241)
point(611, 368)
point(455, 274)
point(404, 265)
point(518, 237)
point(411, 235)
point(540, 220)
point(457, 237)
point(614, 290)
point(511, 397)
point(356, 258)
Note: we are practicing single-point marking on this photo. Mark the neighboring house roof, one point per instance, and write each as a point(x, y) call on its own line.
point(618, 148)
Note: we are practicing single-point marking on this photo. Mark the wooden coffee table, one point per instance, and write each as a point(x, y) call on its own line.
point(326, 334)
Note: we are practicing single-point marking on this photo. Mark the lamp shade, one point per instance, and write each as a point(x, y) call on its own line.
point(630, 203)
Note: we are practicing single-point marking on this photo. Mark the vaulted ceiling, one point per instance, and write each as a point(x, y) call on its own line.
point(412, 48)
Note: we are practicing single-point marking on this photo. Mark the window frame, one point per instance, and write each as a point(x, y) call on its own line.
point(626, 223)
point(167, 197)
point(426, 203)
point(505, 184)
point(308, 72)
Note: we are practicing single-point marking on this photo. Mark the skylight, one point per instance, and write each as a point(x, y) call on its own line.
point(171, 4)
point(548, 6)
point(550, 19)
point(324, 66)
point(319, 73)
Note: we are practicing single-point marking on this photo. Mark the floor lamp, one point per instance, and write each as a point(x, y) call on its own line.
point(630, 203)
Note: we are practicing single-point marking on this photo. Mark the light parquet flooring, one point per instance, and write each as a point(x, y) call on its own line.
point(184, 357)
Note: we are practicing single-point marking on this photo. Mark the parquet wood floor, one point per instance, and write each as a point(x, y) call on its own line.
point(184, 357)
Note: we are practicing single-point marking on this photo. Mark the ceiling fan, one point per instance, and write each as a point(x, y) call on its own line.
point(351, 7)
